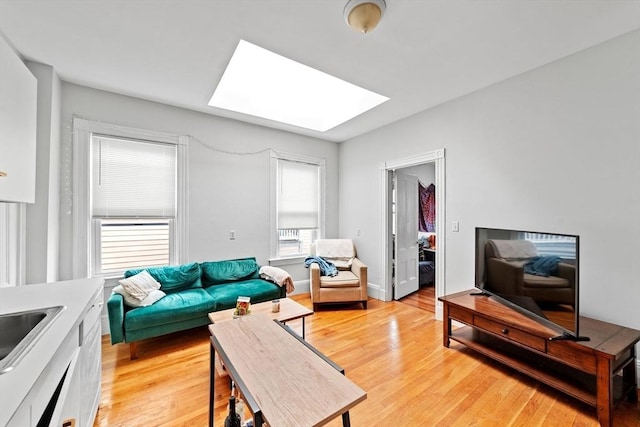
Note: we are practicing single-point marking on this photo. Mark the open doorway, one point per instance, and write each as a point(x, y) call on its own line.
point(414, 232)
point(390, 248)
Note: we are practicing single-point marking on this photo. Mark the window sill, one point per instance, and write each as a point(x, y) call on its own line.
point(277, 262)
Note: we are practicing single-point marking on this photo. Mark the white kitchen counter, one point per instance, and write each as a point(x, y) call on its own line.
point(75, 295)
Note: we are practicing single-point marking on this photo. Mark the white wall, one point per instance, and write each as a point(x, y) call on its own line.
point(426, 173)
point(227, 191)
point(555, 149)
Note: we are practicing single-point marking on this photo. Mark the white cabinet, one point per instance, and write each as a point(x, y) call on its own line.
point(91, 363)
point(18, 121)
point(67, 392)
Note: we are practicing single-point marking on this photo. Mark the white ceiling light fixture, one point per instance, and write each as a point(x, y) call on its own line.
point(364, 15)
point(264, 84)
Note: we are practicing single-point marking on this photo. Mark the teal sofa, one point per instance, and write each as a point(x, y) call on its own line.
point(192, 291)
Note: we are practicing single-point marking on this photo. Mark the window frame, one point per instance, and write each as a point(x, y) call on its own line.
point(274, 232)
point(84, 229)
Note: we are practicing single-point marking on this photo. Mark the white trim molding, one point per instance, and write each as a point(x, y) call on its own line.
point(274, 258)
point(12, 244)
point(82, 132)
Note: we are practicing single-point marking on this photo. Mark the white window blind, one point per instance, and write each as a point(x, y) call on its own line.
point(133, 178)
point(125, 244)
point(298, 195)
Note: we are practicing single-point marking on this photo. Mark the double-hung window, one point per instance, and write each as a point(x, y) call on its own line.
point(133, 199)
point(551, 244)
point(133, 203)
point(299, 205)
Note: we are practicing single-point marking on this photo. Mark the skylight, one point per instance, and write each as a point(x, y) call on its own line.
point(261, 83)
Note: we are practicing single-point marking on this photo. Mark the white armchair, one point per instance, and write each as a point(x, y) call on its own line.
point(350, 285)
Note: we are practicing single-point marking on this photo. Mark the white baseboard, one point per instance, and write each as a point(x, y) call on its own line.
point(301, 287)
point(104, 321)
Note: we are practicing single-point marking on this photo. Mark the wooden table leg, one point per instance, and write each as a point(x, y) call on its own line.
point(604, 392)
point(446, 333)
point(629, 377)
point(212, 381)
point(346, 422)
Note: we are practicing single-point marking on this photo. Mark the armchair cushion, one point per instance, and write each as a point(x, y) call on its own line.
point(513, 249)
point(344, 278)
point(340, 252)
point(335, 248)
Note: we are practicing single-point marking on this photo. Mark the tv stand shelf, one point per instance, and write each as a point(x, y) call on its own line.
point(600, 372)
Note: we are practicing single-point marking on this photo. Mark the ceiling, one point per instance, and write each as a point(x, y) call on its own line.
point(423, 53)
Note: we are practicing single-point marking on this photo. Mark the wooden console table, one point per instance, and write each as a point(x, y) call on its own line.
point(586, 370)
point(284, 379)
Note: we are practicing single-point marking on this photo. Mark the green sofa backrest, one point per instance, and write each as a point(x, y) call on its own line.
point(218, 272)
point(173, 278)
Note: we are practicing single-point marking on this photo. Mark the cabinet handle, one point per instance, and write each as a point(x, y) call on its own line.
point(505, 331)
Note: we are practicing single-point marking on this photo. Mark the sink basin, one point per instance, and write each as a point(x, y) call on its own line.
point(20, 331)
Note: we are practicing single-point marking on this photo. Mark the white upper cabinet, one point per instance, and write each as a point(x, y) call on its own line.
point(18, 109)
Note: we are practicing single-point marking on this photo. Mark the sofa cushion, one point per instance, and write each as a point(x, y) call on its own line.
point(226, 294)
point(175, 307)
point(173, 278)
point(218, 272)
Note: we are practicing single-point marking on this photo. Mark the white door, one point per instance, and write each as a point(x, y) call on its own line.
point(406, 244)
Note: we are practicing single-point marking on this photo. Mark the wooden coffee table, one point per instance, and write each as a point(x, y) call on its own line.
point(289, 310)
point(284, 380)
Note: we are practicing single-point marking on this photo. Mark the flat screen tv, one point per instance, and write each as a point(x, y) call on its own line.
point(536, 273)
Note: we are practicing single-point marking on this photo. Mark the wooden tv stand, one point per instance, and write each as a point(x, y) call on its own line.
point(600, 372)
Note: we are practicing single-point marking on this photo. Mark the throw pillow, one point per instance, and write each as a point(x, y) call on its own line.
point(129, 300)
point(140, 285)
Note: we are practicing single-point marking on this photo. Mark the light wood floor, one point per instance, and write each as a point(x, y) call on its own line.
point(392, 350)
point(424, 299)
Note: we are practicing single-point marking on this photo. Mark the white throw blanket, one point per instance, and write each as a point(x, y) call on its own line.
point(335, 248)
point(514, 249)
point(278, 276)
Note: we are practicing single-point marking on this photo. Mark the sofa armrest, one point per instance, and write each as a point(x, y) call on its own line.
point(504, 277)
point(359, 269)
point(567, 272)
point(314, 278)
point(115, 312)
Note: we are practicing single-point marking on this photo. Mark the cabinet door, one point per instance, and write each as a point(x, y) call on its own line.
point(22, 417)
point(18, 122)
point(91, 365)
point(68, 406)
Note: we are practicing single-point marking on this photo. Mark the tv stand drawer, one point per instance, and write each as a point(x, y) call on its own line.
point(510, 333)
point(575, 357)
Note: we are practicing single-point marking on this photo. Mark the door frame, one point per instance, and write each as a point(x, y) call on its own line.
point(386, 177)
